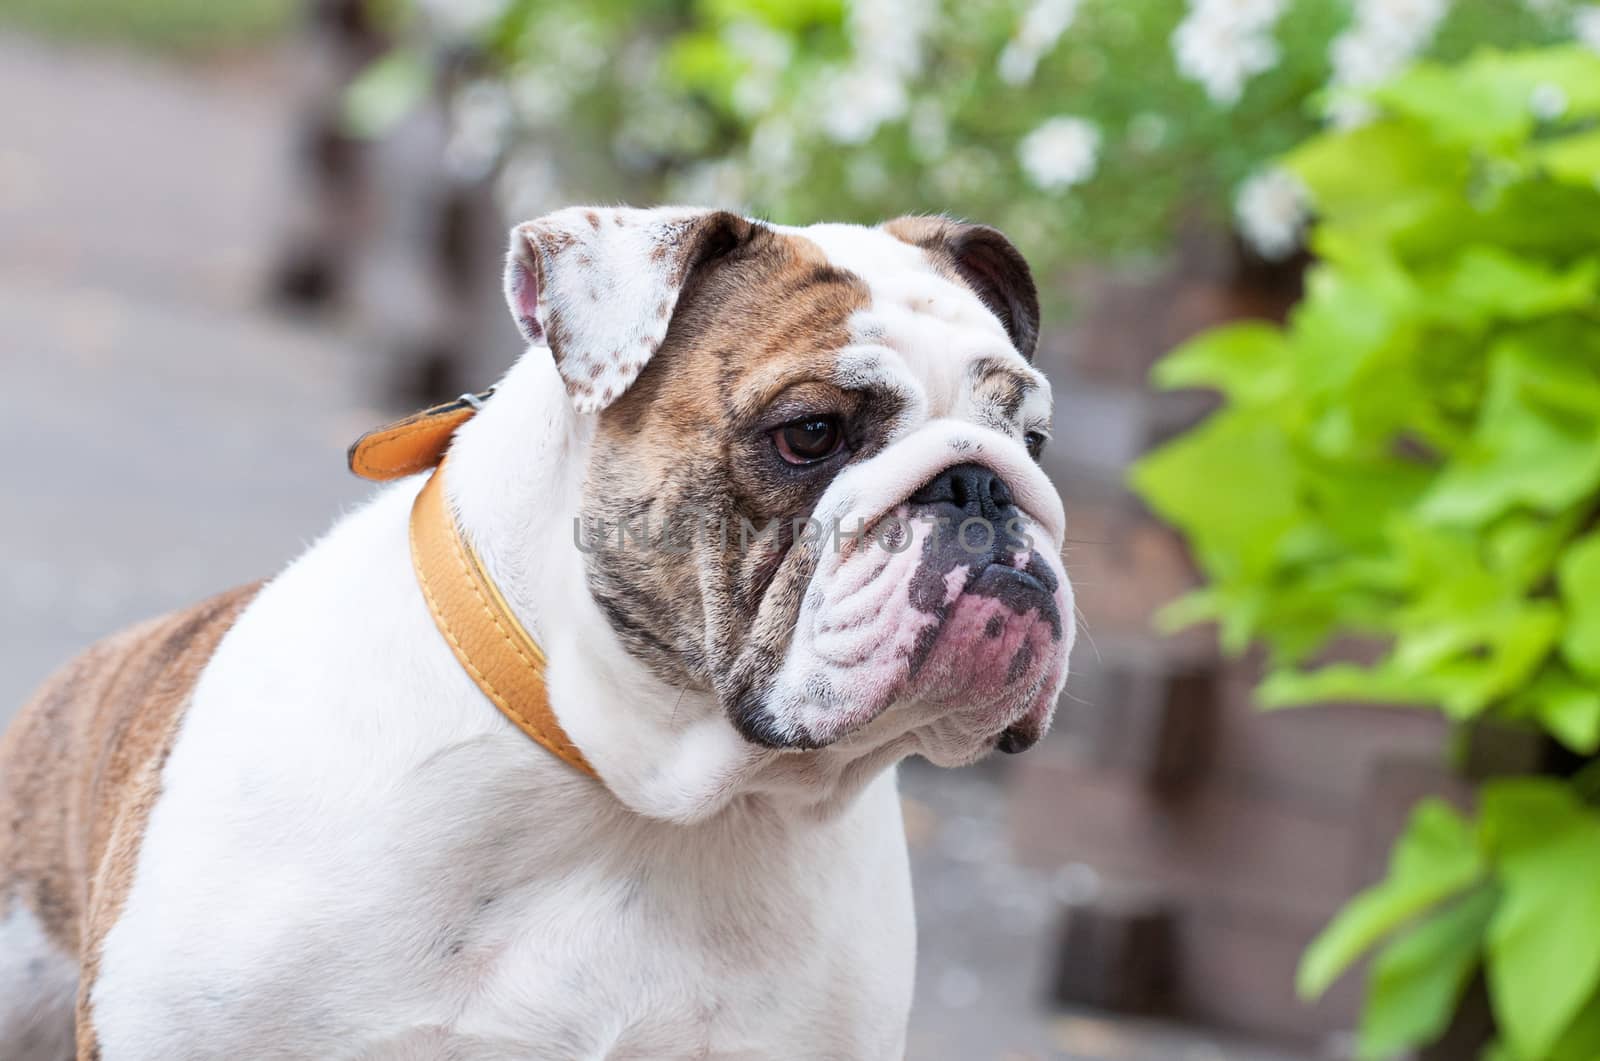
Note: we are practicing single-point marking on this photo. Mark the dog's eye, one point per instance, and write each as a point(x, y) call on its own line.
point(1035, 441)
point(808, 441)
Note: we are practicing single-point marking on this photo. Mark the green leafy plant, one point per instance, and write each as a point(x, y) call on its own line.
point(1400, 497)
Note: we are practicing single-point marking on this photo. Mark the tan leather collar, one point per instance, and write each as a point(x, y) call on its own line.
point(473, 617)
point(478, 625)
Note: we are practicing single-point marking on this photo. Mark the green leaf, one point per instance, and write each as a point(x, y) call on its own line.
point(1544, 939)
point(1484, 283)
point(1342, 682)
point(1581, 1040)
point(1246, 361)
point(1374, 170)
point(1567, 708)
point(1435, 858)
point(790, 15)
point(1579, 580)
point(1523, 548)
point(1537, 441)
point(703, 62)
point(1197, 606)
point(1574, 159)
point(1488, 101)
point(1455, 107)
point(1417, 979)
point(1235, 520)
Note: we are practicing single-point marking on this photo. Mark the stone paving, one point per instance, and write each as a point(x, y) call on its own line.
point(168, 438)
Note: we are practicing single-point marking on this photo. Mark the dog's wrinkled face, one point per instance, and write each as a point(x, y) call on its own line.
point(813, 489)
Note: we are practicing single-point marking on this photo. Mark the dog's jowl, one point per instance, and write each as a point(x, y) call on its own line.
point(578, 740)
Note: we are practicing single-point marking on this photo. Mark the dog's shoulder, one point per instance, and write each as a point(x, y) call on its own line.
point(80, 765)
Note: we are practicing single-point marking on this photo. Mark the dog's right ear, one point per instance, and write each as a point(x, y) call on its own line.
point(986, 262)
point(599, 286)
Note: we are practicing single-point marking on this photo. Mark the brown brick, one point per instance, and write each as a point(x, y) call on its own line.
point(1211, 844)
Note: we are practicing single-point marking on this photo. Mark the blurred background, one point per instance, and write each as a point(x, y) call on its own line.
point(235, 235)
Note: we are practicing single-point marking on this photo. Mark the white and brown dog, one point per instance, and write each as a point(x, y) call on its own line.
point(768, 500)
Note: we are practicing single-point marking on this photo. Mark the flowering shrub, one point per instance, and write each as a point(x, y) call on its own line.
point(1415, 460)
point(1084, 127)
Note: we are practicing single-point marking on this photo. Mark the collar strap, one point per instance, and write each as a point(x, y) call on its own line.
point(414, 444)
point(478, 625)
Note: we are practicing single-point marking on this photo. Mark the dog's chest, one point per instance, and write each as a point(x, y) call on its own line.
point(676, 957)
point(456, 910)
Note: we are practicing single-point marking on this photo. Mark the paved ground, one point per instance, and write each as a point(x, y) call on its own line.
point(167, 438)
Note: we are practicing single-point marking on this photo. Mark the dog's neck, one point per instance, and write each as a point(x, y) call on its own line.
point(515, 480)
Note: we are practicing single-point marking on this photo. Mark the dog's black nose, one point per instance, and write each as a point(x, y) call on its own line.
point(971, 490)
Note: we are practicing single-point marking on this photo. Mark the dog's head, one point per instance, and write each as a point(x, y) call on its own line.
point(813, 488)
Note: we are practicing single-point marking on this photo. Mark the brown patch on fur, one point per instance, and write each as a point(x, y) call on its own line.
point(985, 261)
point(80, 770)
point(688, 444)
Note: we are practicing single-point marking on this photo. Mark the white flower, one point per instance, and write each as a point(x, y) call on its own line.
point(857, 101)
point(1242, 14)
point(887, 38)
point(529, 185)
point(720, 183)
point(1060, 153)
point(538, 98)
point(1586, 26)
point(480, 121)
point(461, 18)
point(866, 176)
point(766, 54)
point(1410, 20)
point(1041, 27)
point(1045, 21)
point(759, 45)
point(576, 48)
point(657, 124)
point(965, 172)
point(1016, 64)
point(1347, 111)
point(889, 34)
point(753, 93)
point(773, 150)
point(1272, 208)
point(1221, 54)
point(1547, 101)
point(1362, 57)
point(1382, 39)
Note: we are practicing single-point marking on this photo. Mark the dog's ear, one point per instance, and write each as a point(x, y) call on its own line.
point(598, 287)
point(983, 259)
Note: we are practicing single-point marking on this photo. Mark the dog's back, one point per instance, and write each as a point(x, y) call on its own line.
point(79, 770)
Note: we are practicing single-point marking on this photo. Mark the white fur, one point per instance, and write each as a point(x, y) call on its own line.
point(355, 855)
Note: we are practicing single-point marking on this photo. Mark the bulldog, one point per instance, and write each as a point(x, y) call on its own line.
point(581, 743)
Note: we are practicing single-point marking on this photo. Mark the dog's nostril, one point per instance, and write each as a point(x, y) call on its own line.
point(1000, 492)
point(962, 490)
